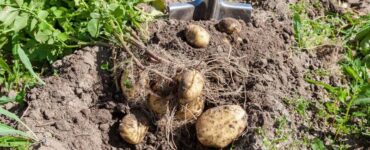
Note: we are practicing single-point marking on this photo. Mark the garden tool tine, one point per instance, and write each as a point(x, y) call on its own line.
point(209, 9)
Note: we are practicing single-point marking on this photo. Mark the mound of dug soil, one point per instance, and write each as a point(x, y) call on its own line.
point(80, 108)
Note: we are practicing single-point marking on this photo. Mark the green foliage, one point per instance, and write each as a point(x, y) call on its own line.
point(317, 144)
point(34, 33)
point(18, 143)
point(282, 133)
point(299, 104)
point(13, 138)
point(313, 32)
point(105, 66)
point(348, 111)
point(6, 130)
point(38, 32)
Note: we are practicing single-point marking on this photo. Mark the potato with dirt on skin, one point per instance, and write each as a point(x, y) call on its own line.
point(197, 36)
point(133, 128)
point(158, 104)
point(131, 88)
point(218, 127)
point(229, 25)
point(191, 110)
point(191, 84)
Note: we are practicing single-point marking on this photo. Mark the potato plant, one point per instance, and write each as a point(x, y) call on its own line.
point(34, 33)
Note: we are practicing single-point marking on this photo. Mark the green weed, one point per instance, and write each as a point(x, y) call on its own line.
point(314, 32)
point(349, 105)
point(281, 132)
point(299, 104)
point(317, 144)
point(12, 138)
point(18, 143)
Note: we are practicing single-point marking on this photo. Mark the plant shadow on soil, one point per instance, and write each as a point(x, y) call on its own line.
point(80, 108)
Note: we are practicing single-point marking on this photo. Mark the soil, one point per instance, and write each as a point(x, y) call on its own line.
point(80, 107)
point(361, 6)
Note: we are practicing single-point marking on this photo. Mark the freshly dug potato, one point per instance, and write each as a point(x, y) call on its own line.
point(158, 104)
point(218, 127)
point(133, 128)
point(132, 87)
point(190, 110)
point(190, 86)
point(229, 25)
point(197, 36)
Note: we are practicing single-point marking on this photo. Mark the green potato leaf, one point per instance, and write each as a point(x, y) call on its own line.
point(93, 27)
point(20, 22)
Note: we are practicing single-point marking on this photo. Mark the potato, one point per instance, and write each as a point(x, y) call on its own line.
point(133, 128)
point(197, 36)
point(132, 87)
point(158, 104)
point(190, 86)
point(190, 110)
point(229, 25)
point(218, 127)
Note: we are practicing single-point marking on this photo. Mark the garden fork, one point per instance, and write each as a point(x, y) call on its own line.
point(210, 9)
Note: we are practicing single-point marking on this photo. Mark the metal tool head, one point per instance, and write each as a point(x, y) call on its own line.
point(210, 9)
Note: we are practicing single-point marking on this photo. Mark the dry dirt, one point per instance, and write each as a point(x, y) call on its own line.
point(80, 108)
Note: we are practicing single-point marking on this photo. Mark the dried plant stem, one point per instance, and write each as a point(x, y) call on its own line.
point(135, 41)
point(141, 66)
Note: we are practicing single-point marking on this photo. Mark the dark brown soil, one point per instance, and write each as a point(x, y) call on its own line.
point(80, 108)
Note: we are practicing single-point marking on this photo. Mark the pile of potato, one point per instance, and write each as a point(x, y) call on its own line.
point(216, 127)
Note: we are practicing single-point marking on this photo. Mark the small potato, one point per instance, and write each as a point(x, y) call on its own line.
point(190, 86)
point(133, 128)
point(132, 87)
point(158, 104)
point(190, 110)
point(218, 127)
point(229, 25)
point(197, 36)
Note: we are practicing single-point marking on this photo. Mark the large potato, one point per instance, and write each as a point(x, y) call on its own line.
point(197, 36)
point(190, 86)
point(133, 128)
point(158, 104)
point(132, 87)
point(218, 127)
point(190, 110)
point(229, 25)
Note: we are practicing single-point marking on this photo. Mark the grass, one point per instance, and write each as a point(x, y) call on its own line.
point(311, 33)
point(299, 104)
point(348, 111)
point(34, 33)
